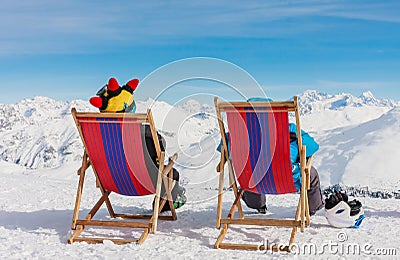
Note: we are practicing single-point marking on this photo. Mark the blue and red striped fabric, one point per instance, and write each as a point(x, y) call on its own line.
point(260, 150)
point(114, 146)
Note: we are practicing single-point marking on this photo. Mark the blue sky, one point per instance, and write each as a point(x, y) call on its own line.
point(68, 49)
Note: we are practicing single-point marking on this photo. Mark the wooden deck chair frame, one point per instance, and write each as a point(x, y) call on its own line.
point(134, 221)
point(301, 218)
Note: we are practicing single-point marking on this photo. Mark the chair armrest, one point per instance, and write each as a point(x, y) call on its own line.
point(308, 168)
point(222, 161)
point(309, 162)
point(170, 164)
point(219, 165)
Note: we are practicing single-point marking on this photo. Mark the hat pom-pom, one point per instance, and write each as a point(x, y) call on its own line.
point(96, 102)
point(133, 84)
point(112, 84)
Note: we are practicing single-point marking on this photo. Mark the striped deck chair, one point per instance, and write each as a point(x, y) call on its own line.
point(113, 147)
point(259, 160)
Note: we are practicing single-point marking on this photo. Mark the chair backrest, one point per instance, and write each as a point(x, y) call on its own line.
point(259, 142)
point(113, 142)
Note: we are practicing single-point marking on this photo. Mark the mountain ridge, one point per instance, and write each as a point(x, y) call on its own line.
point(40, 133)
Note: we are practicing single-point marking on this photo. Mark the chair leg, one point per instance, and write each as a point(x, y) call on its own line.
point(143, 236)
point(232, 181)
point(76, 234)
point(308, 220)
point(220, 189)
point(221, 236)
point(236, 204)
point(82, 224)
point(171, 184)
point(223, 231)
point(89, 216)
point(226, 223)
point(78, 199)
point(297, 217)
point(156, 206)
point(79, 225)
point(168, 185)
point(230, 215)
point(239, 205)
point(108, 203)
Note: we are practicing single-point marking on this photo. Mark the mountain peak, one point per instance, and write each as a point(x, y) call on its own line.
point(312, 100)
point(313, 95)
point(367, 94)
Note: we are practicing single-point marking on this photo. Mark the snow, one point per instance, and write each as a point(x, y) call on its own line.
point(364, 155)
point(357, 137)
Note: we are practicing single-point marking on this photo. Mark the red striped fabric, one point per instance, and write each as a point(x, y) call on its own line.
point(93, 139)
point(116, 152)
point(133, 147)
point(260, 150)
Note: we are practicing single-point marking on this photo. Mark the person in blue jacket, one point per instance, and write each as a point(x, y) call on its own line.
point(315, 198)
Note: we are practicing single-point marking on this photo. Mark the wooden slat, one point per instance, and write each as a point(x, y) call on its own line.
point(254, 247)
point(262, 222)
point(256, 110)
point(142, 117)
point(223, 106)
point(105, 223)
point(97, 240)
point(138, 216)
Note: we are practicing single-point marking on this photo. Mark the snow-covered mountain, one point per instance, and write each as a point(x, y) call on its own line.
point(312, 101)
point(40, 133)
point(341, 109)
point(357, 148)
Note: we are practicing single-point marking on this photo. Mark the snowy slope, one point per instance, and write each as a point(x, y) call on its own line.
point(37, 206)
point(365, 155)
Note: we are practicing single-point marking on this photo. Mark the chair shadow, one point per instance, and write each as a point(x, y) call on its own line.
point(371, 212)
point(252, 233)
point(189, 223)
point(192, 224)
point(52, 221)
point(39, 222)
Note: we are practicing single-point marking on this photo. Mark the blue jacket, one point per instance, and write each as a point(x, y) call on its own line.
point(311, 148)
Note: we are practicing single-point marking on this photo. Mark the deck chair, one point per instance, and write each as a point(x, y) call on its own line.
point(113, 147)
point(258, 157)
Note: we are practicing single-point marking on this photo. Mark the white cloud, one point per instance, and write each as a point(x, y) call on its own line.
point(70, 26)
